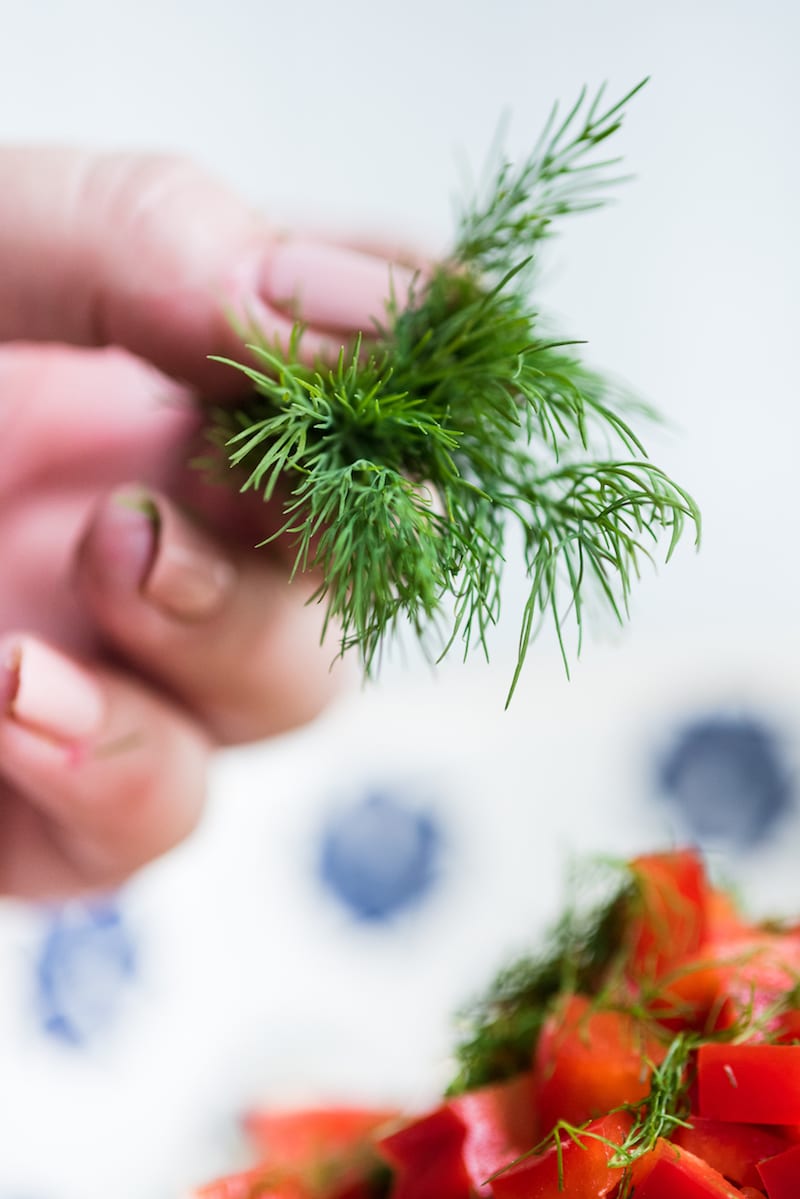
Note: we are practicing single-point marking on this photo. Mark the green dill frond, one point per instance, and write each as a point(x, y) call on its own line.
point(409, 461)
point(560, 177)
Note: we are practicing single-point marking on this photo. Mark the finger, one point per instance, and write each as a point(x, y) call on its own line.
point(229, 633)
point(133, 419)
point(149, 253)
point(115, 774)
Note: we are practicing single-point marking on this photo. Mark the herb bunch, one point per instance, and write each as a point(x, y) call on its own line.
point(404, 466)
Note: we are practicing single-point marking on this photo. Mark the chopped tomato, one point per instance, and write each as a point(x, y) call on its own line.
point(723, 984)
point(757, 1084)
point(781, 1174)
point(733, 1149)
point(572, 1169)
point(668, 918)
point(691, 965)
point(673, 1173)
point(260, 1183)
point(787, 1026)
point(294, 1138)
point(724, 921)
point(427, 1155)
point(501, 1125)
point(589, 1061)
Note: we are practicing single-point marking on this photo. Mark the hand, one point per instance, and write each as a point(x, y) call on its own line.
point(133, 637)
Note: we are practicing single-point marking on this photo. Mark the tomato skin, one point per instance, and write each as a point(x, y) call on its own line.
point(298, 1139)
point(669, 917)
point(724, 922)
point(674, 1173)
point(733, 1149)
point(586, 1173)
point(715, 987)
point(781, 1174)
point(787, 1026)
point(589, 1061)
point(259, 1183)
point(427, 1155)
point(749, 1084)
point(501, 1125)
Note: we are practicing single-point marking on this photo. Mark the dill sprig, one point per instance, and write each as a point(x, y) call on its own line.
point(408, 461)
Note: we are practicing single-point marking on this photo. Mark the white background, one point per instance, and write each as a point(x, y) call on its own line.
point(355, 116)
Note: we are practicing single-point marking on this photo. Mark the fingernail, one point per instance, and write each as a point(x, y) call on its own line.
point(188, 578)
point(332, 286)
point(123, 538)
point(140, 543)
point(46, 691)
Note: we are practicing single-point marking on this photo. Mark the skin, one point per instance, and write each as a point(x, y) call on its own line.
point(138, 628)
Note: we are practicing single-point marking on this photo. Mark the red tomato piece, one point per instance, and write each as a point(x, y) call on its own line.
point(427, 1156)
point(753, 1193)
point(752, 1084)
point(781, 1175)
point(724, 922)
point(787, 1026)
point(717, 986)
point(501, 1125)
point(589, 1061)
point(733, 1149)
point(298, 1138)
point(259, 1183)
point(668, 919)
point(674, 1173)
point(584, 1165)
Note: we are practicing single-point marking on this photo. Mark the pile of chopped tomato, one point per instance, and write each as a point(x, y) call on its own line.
point(608, 1106)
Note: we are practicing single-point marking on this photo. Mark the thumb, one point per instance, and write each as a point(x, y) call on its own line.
point(150, 253)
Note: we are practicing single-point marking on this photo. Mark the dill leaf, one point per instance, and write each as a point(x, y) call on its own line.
point(408, 461)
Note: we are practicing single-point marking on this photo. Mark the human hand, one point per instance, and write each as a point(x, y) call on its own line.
point(134, 638)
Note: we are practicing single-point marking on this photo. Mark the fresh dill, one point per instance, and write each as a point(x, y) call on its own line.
point(405, 465)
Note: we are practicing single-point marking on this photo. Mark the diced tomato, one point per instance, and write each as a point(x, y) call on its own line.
point(578, 1170)
point(723, 983)
point(292, 1139)
point(756, 1084)
point(733, 1149)
point(589, 1061)
point(501, 1125)
point(427, 1155)
point(787, 1026)
point(673, 1173)
point(668, 918)
point(260, 1183)
point(724, 921)
point(781, 1175)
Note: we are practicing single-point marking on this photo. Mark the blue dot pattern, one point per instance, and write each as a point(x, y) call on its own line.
point(728, 778)
point(380, 856)
point(86, 960)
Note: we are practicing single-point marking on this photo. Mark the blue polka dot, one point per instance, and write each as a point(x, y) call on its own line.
point(86, 960)
point(380, 856)
point(728, 779)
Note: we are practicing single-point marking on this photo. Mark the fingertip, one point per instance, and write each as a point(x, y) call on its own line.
point(48, 692)
point(332, 287)
point(119, 545)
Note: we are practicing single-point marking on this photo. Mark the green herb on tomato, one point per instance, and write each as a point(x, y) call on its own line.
point(653, 1052)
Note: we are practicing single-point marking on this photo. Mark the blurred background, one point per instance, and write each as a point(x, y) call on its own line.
point(355, 882)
